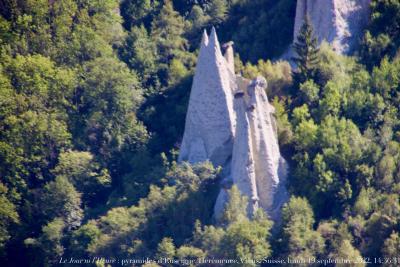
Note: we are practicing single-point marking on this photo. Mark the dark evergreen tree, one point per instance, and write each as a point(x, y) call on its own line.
point(218, 10)
point(167, 30)
point(306, 49)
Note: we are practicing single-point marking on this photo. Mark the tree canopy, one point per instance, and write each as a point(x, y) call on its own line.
point(93, 98)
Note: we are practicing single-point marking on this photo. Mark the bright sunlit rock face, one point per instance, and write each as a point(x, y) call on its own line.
point(210, 119)
point(339, 22)
point(230, 123)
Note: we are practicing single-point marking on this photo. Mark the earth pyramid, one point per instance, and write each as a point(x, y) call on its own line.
point(339, 22)
point(230, 123)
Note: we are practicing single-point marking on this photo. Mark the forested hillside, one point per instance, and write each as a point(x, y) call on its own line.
point(93, 98)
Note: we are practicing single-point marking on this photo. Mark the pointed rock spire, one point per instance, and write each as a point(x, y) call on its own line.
point(229, 56)
point(243, 170)
point(269, 165)
point(214, 43)
point(213, 36)
point(204, 38)
point(210, 118)
point(203, 44)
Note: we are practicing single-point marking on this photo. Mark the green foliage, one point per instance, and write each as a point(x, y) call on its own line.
point(300, 114)
point(105, 108)
point(65, 202)
point(164, 115)
point(140, 54)
point(330, 103)
point(332, 158)
point(137, 12)
point(198, 18)
point(300, 240)
point(278, 75)
point(144, 226)
point(382, 36)
point(339, 243)
point(49, 243)
point(166, 249)
point(364, 205)
point(335, 138)
point(305, 134)
point(381, 223)
point(188, 253)
point(391, 247)
point(241, 238)
point(285, 133)
point(333, 66)
point(310, 91)
point(217, 9)
point(87, 139)
point(268, 24)
point(374, 47)
point(33, 117)
point(167, 30)
point(84, 173)
point(385, 79)
point(62, 90)
point(85, 238)
point(8, 217)
point(236, 208)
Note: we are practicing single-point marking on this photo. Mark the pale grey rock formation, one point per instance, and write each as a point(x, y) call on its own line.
point(271, 167)
point(339, 22)
point(210, 118)
point(229, 56)
point(231, 123)
point(267, 156)
point(243, 169)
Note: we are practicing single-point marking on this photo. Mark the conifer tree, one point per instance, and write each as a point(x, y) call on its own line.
point(167, 32)
point(218, 10)
point(306, 49)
